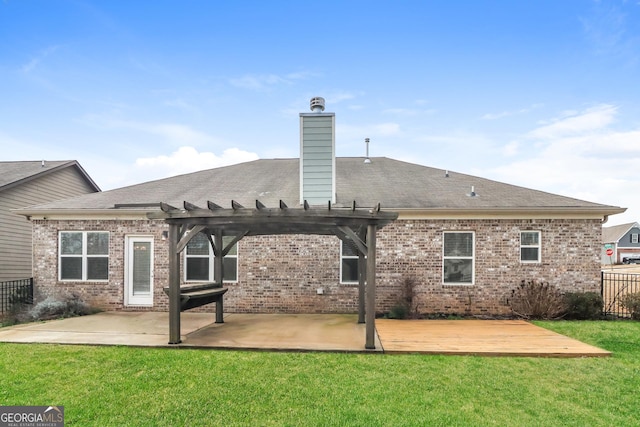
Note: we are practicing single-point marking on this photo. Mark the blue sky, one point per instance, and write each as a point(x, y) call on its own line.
point(543, 94)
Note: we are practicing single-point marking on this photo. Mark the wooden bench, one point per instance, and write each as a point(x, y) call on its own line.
point(192, 296)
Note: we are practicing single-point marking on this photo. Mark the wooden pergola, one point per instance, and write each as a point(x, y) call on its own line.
point(356, 226)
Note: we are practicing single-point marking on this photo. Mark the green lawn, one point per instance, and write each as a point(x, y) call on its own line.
point(120, 386)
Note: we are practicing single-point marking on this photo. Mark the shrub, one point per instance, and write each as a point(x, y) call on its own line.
point(68, 306)
point(584, 306)
point(406, 307)
point(537, 300)
point(398, 312)
point(632, 303)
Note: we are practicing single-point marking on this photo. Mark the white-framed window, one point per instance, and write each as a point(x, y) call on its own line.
point(530, 246)
point(458, 258)
point(83, 255)
point(634, 238)
point(199, 260)
point(348, 264)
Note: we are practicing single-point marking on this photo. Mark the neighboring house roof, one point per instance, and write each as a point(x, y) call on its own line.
point(614, 233)
point(17, 173)
point(396, 185)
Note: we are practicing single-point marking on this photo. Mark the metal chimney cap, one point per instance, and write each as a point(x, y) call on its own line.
point(367, 159)
point(317, 104)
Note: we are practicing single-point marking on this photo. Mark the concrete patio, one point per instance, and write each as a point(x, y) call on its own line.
point(305, 332)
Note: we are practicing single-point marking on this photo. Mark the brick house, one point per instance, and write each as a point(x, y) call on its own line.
point(468, 241)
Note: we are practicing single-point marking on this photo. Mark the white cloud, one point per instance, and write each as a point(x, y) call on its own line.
point(579, 156)
point(174, 132)
point(511, 149)
point(614, 144)
point(386, 129)
point(591, 119)
point(187, 159)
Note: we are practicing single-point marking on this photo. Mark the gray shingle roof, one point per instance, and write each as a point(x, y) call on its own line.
point(615, 233)
point(15, 173)
point(394, 184)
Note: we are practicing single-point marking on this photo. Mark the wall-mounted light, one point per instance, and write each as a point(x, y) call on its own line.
point(165, 235)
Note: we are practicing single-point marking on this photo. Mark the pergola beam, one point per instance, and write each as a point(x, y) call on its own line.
point(235, 240)
point(190, 206)
point(186, 237)
point(357, 241)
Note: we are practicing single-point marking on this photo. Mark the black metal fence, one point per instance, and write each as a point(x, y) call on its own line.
point(613, 286)
point(15, 292)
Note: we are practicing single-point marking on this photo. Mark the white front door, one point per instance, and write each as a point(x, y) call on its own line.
point(138, 281)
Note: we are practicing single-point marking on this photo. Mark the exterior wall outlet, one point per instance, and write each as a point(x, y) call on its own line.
point(320, 291)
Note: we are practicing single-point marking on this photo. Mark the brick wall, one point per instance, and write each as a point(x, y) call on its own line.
point(105, 295)
point(281, 274)
point(570, 260)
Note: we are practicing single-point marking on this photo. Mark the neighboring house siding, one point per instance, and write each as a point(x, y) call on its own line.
point(15, 230)
point(15, 238)
point(627, 245)
point(281, 274)
point(627, 242)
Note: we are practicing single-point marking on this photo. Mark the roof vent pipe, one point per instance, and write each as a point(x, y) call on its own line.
point(367, 159)
point(317, 104)
point(473, 191)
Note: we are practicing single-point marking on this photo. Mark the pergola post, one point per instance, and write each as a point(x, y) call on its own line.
point(218, 270)
point(370, 310)
point(174, 285)
point(362, 272)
